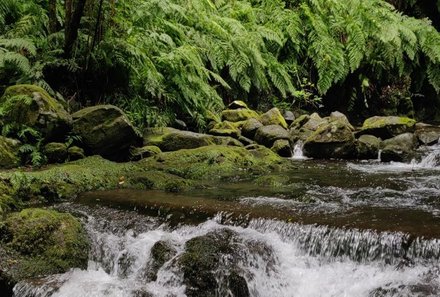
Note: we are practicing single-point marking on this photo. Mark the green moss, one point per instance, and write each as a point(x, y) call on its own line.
point(213, 162)
point(8, 153)
point(227, 128)
point(380, 122)
point(42, 242)
point(273, 117)
point(237, 115)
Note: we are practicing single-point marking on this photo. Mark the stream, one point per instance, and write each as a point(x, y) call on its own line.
point(333, 228)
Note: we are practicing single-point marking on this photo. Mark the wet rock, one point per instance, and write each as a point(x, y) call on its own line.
point(387, 127)
point(399, 148)
point(32, 106)
point(314, 122)
point(427, 134)
point(250, 127)
point(238, 115)
point(56, 152)
point(273, 117)
point(282, 148)
point(75, 153)
point(367, 147)
point(105, 130)
point(41, 242)
point(289, 117)
point(267, 135)
point(144, 152)
point(339, 116)
point(161, 252)
point(300, 121)
point(245, 140)
point(237, 104)
point(170, 139)
point(8, 152)
point(304, 126)
point(203, 258)
point(331, 140)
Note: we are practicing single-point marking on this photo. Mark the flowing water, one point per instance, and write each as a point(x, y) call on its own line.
point(332, 228)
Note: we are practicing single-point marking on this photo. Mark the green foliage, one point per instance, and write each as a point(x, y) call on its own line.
point(169, 59)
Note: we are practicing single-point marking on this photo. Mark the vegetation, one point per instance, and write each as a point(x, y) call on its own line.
point(169, 59)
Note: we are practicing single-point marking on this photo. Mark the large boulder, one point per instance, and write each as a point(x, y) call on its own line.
point(105, 130)
point(267, 135)
point(304, 126)
point(38, 242)
point(332, 140)
point(204, 257)
point(282, 148)
point(238, 115)
point(427, 134)
point(170, 139)
point(250, 127)
point(387, 127)
point(144, 152)
point(273, 117)
point(399, 148)
point(226, 128)
point(56, 152)
point(8, 152)
point(367, 147)
point(32, 106)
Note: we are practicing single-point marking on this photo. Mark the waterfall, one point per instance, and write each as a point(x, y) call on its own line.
point(298, 153)
point(274, 258)
point(379, 155)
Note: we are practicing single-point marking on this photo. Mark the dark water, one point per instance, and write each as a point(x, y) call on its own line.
point(334, 228)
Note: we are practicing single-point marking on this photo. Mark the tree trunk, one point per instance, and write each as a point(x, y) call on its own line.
point(73, 20)
point(53, 23)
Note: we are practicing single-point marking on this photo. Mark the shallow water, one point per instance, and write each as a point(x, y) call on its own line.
point(332, 228)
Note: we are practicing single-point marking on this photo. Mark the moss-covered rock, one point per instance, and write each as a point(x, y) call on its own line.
point(387, 127)
point(282, 148)
point(214, 162)
point(38, 242)
point(250, 127)
point(161, 252)
point(201, 259)
point(8, 152)
point(367, 147)
point(75, 153)
point(399, 148)
point(226, 128)
point(238, 115)
point(105, 130)
point(56, 152)
point(273, 117)
point(332, 140)
point(267, 135)
point(30, 105)
point(144, 152)
point(170, 139)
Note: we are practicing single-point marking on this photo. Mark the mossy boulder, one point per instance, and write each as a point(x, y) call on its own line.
point(105, 130)
point(267, 135)
point(282, 148)
point(170, 139)
point(273, 117)
point(144, 152)
point(304, 126)
point(367, 147)
point(161, 252)
point(227, 128)
point(238, 115)
point(289, 117)
point(214, 162)
point(387, 127)
point(56, 152)
point(8, 152)
point(339, 116)
point(399, 148)
point(75, 153)
point(37, 242)
point(202, 258)
point(32, 106)
point(250, 127)
point(332, 140)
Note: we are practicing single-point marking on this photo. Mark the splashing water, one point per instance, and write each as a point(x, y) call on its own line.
point(298, 153)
